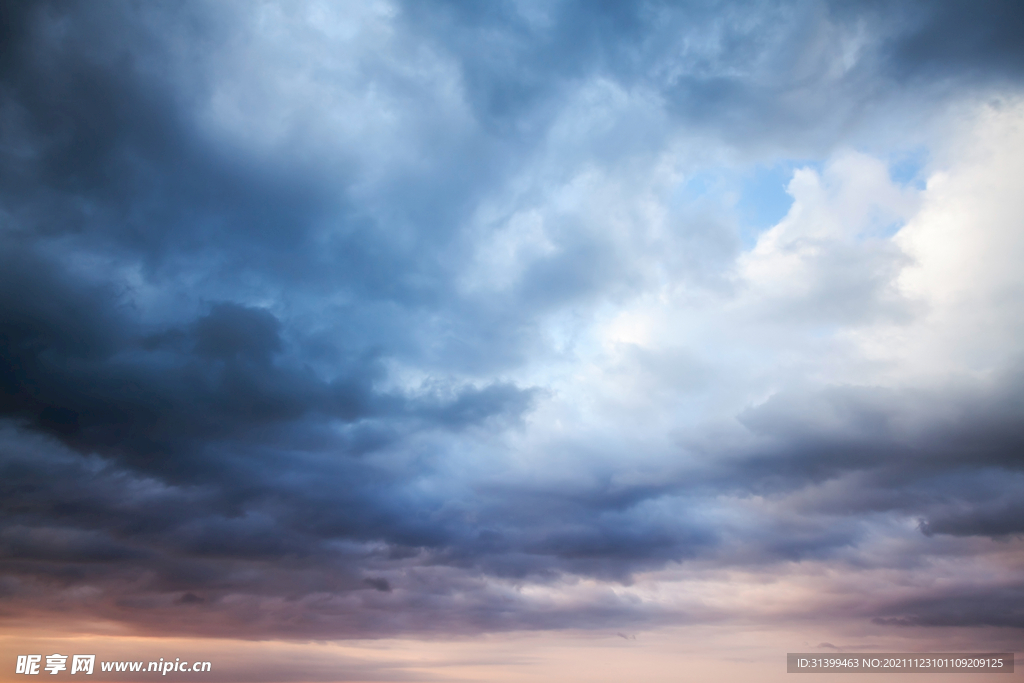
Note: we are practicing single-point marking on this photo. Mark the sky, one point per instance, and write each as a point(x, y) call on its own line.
point(516, 340)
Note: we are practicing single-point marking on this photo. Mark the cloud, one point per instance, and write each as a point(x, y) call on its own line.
point(949, 39)
point(424, 317)
point(978, 607)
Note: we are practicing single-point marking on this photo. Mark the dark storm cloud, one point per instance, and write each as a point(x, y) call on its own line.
point(201, 415)
point(967, 606)
point(981, 427)
point(77, 366)
point(160, 557)
point(116, 169)
point(982, 517)
point(977, 40)
point(953, 453)
point(204, 441)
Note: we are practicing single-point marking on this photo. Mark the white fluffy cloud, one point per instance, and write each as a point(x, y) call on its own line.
point(863, 278)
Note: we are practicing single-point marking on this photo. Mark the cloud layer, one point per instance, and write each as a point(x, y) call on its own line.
point(420, 318)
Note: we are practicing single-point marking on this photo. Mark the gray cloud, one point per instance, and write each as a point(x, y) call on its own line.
point(989, 606)
point(234, 380)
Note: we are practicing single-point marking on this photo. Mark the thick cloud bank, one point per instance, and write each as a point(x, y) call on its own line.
point(377, 318)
